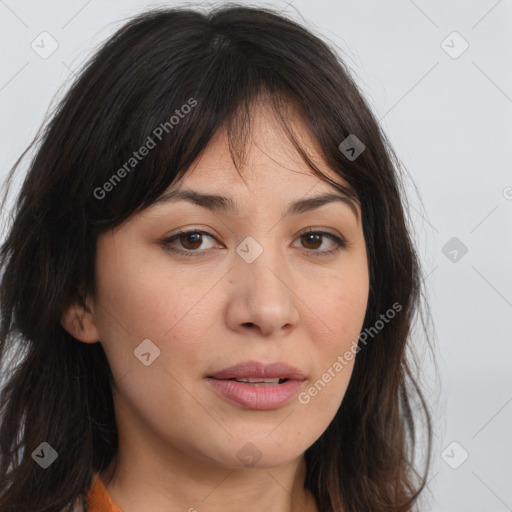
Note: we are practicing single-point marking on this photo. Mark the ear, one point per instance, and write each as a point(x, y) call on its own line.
point(78, 320)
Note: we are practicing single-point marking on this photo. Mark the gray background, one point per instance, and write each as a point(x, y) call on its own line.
point(448, 118)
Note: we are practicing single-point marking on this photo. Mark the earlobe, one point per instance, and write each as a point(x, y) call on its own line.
point(79, 322)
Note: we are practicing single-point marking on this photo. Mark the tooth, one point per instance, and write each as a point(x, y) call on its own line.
point(254, 380)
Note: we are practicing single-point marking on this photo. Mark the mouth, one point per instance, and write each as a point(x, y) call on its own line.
point(256, 381)
point(254, 385)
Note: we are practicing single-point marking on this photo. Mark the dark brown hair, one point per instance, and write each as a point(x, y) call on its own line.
point(57, 389)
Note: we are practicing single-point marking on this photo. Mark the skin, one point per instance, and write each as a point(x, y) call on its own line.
point(178, 439)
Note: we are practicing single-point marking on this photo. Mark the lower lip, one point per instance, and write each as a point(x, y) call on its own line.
point(264, 397)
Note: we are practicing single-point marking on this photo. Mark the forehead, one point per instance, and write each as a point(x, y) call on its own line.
point(265, 158)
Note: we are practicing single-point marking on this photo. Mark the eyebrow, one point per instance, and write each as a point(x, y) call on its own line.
point(218, 203)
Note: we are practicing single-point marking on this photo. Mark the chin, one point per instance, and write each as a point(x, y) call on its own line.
point(257, 452)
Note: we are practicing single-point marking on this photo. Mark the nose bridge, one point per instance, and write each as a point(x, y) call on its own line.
point(263, 295)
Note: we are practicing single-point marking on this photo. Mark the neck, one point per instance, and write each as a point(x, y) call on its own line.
point(192, 485)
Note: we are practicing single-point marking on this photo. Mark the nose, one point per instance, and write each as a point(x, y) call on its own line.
point(262, 295)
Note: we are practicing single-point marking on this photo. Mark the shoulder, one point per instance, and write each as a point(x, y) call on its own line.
point(82, 503)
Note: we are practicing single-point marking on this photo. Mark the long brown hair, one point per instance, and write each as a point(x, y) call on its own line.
point(58, 390)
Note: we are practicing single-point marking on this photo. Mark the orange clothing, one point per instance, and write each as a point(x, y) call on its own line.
point(98, 499)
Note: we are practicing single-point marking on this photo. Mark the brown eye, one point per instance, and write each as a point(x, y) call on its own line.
point(191, 240)
point(187, 242)
point(313, 241)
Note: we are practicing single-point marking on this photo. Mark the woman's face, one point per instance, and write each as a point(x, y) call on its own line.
point(259, 290)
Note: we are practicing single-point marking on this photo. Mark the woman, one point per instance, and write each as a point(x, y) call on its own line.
point(210, 282)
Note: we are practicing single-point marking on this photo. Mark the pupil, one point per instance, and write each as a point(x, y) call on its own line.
point(195, 243)
point(309, 237)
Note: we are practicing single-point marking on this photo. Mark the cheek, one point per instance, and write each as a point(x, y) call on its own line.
point(341, 305)
point(346, 315)
point(132, 305)
point(142, 300)
point(333, 351)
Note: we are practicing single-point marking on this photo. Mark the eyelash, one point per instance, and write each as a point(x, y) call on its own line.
point(340, 243)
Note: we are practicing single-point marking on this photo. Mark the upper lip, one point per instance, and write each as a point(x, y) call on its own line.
point(253, 369)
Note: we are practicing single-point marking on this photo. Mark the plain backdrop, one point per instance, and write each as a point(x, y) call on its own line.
point(438, 77)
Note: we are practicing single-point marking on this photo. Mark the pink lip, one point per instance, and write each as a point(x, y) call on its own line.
point(257, 369)
point(261, 397)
